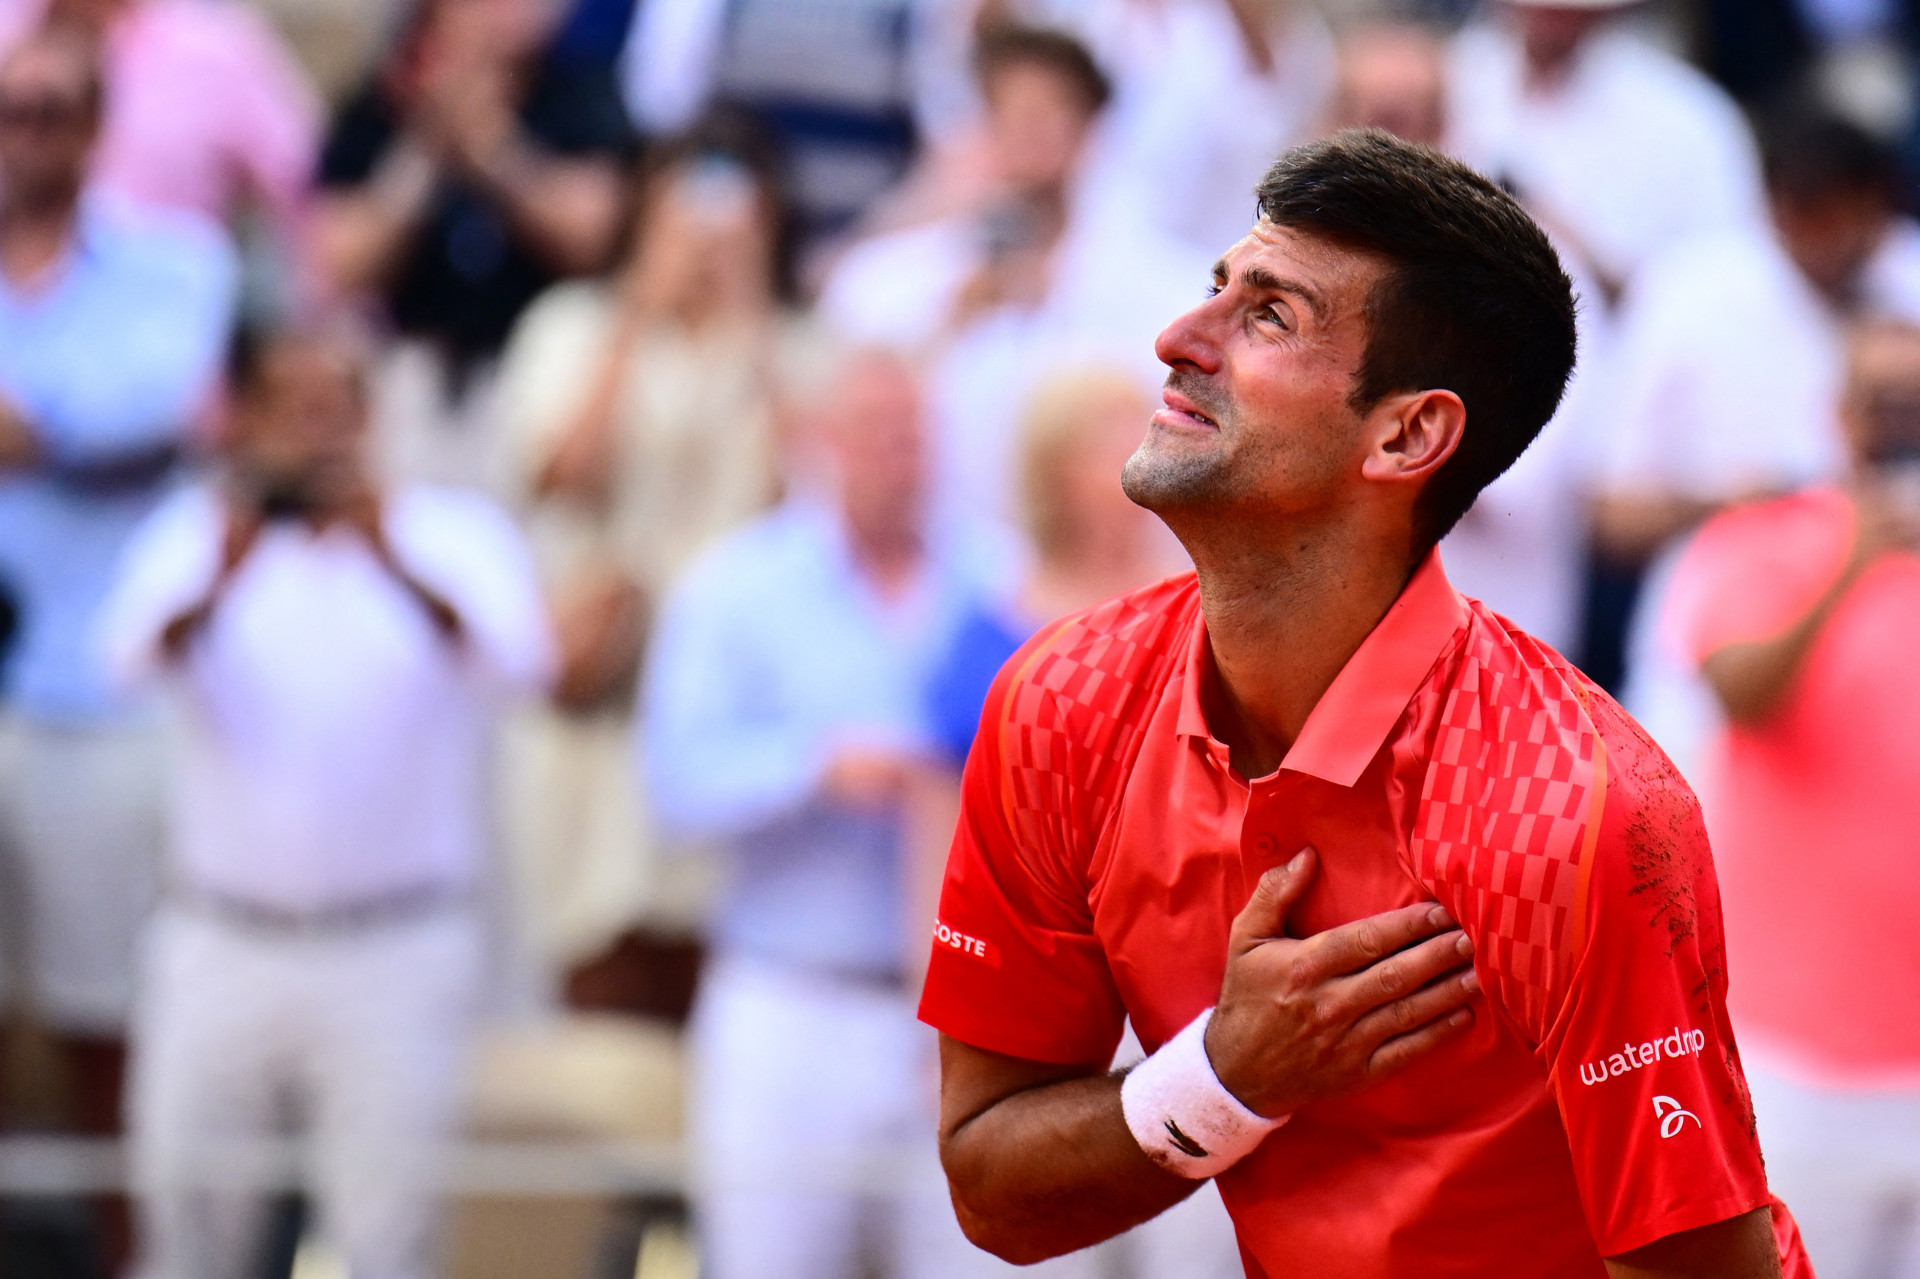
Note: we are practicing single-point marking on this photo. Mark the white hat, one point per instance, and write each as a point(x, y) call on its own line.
point(1572, 4)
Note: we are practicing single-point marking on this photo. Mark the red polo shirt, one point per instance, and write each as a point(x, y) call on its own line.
point(1105, 846)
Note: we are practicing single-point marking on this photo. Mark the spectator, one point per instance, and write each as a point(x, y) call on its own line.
point(1619, 148)
point(1393, 76)
point(640, 418)
point(111, 324)
point(333, 651)
point(1801, 613)
point(1729, 355)
point(833, 80)
point(467, 175)
point(783, 720)
point(1028, 278)
point(206, 110)
point(1205, 92)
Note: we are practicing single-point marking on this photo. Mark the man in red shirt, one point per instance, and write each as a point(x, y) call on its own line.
point(1802, 613)
point(1244, 807)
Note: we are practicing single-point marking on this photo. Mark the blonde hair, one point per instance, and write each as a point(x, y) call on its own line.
point(1065, 412)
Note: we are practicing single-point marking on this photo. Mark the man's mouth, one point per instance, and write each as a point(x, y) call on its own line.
point(1178, 410)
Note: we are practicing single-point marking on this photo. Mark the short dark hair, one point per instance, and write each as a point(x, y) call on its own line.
point(1810, 152)
point(1001, 45)
point(1475, 300)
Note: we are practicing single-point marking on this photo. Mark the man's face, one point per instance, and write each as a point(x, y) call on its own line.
point(1881, 411)
point(1552, 35)
point(1393, 78)
point(874, 431)
point(1037, 123)
point(1256, 415)
point(301, 425)
point(1831, 238)
point(47, 122)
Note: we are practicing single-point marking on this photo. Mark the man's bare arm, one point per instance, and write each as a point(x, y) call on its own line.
point(1741, 1248)
point(1039, 1156)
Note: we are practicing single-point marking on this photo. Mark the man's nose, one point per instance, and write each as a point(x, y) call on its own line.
point(1193, 340)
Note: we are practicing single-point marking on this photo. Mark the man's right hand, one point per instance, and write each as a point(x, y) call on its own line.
point(1303, 1019)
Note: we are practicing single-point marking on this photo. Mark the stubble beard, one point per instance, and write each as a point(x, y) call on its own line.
point(1164, 480)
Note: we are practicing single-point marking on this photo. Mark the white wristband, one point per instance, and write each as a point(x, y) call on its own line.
point(1183, 1116)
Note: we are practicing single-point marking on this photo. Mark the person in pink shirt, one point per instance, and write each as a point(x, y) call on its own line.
point(207, 109)
point(1803, 614)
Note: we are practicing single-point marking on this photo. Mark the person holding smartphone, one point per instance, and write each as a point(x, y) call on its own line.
point(1801, 613)
point(333, 651)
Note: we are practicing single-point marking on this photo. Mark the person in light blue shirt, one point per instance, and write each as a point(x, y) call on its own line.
point(783, 714)
point(112, 326)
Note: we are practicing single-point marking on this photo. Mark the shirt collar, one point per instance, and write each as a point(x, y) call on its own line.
point(1351, 720)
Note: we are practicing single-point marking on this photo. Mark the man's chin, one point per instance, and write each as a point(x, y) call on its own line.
point(1163, 479)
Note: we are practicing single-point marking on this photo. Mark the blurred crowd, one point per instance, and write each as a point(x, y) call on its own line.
point(509, 511)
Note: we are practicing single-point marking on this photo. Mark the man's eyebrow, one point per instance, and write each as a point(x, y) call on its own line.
point(1262, 280)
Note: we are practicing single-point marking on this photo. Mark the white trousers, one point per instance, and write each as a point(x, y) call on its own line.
point(1847, 1162)
point(81, 821)
point(358, 1039)
point(812, 1124)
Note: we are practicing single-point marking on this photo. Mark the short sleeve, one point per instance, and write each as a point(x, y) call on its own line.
point(467, 548)
point(1641, 1057)
point(1016, 967)
point(1752, 572)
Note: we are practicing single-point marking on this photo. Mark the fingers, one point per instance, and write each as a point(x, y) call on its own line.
point(1396, 1054)
point(1354, 946)
point(1265, 913)
point(1400, 975)
point(1434, 1004)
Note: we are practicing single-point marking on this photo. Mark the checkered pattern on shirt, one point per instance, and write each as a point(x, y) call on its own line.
point(1074, 716)
point(1502, 824)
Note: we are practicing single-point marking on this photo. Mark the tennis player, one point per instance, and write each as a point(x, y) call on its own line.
point(1245, 808)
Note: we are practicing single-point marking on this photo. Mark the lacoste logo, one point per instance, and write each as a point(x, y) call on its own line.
point(973, 947)
point(1681, 1043)
point(1672, 1116)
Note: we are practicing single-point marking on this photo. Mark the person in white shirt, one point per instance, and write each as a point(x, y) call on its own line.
point(332, 654)
point(785, 725)
point(1729, 356)
point(1034, 277)
point(1617, 147)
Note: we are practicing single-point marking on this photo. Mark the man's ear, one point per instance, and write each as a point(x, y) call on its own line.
point(1415, 433)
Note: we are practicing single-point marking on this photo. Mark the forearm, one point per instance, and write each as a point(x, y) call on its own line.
point(568, 210)
point(1749, 679)
point(1049, 1169)
point(359, 235)
point(1630, 528)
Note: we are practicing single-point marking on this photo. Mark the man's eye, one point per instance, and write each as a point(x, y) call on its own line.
point(1213, 290)
point(1272, 314)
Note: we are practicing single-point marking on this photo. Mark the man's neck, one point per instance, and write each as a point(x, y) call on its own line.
point(35, 236)
point(1282, 620)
